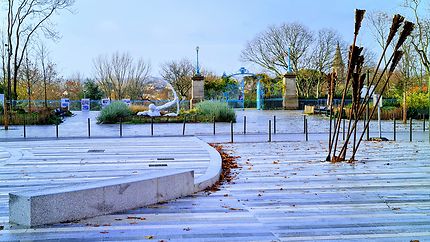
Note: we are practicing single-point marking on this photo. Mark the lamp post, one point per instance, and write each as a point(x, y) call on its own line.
point(197, 89)
point(197, 66)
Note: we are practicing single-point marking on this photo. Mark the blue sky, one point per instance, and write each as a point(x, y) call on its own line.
point(163, 30)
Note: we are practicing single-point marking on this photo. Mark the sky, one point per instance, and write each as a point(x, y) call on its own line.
point(164, 30)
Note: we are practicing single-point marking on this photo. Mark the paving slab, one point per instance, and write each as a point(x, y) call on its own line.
point(283, 192)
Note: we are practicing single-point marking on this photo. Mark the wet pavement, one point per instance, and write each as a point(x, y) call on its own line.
point(283, 190)
point(289, 127)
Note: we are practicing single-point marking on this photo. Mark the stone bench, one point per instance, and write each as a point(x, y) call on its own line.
point(62, 204)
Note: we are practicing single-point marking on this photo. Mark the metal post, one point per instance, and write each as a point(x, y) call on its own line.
point(231, 132)
point(214, 125)
point(410, 130)
point(25, 130)
point(152, 126)
point(343, 132)
point(183, 127)
point(244, 124)
point(394, 128)
point(274, 124)
point(56, 130)
point(368, 107)
point(120, 127)
point(368, 120)
point(270, 130)
point(379, 121)
point(89, 128)
point(424, 123)
point(306, 125)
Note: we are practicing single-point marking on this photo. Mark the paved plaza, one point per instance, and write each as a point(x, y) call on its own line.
point(283, 190)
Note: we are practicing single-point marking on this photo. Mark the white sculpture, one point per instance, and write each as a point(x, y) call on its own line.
point(154, 111)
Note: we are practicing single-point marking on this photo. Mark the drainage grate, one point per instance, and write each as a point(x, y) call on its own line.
point(165, 158)
point(96, 151)
point(157, 165)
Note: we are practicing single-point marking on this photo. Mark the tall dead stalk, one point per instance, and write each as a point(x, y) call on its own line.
point(355, 81)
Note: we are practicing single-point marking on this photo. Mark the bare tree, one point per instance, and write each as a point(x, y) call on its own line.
point(47, 69)
point(408, 70)
point(272, 48)
point(323, 54)
point(25, 20)
point(30, 75)
point(379, 23)
point(179, 74)
point(421, 38)
point(136, 85)
point(119, 76)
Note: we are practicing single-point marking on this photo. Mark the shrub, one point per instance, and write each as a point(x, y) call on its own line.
point(417, 103)
point(113, 113)
point(220, 110)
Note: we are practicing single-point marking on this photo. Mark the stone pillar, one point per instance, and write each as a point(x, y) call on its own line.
point(198, 91)
point(290, 100)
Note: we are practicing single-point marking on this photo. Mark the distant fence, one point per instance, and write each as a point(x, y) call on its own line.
point(95, 105)
point(267, 104)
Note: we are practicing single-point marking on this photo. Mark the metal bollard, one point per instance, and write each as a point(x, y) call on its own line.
point(368, 119)
point(214, 125)
point(152, 126)
point(120, 127)
point(183, 126)
point(410, 130)
point(424, 123)
point(394, 129)
point(270, 130)
point(307, 134)
point(244, 124)
point(274, 124)
point(304, 124)
point(25, 129)
point(89, 128)
point(56, 130)
point(343, 132)
point(231, 132)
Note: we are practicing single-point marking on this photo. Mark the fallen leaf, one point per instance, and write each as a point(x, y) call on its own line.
point(104, 232)
point(187, 229)
point(235, 209)
point(149, 237)
point(106, 225)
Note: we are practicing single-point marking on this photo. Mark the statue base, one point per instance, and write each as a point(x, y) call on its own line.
point(198, 91)
point(290, 100)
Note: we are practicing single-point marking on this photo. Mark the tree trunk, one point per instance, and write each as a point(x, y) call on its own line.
point(405, 110)
point(29, 96)
point(46, 98)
